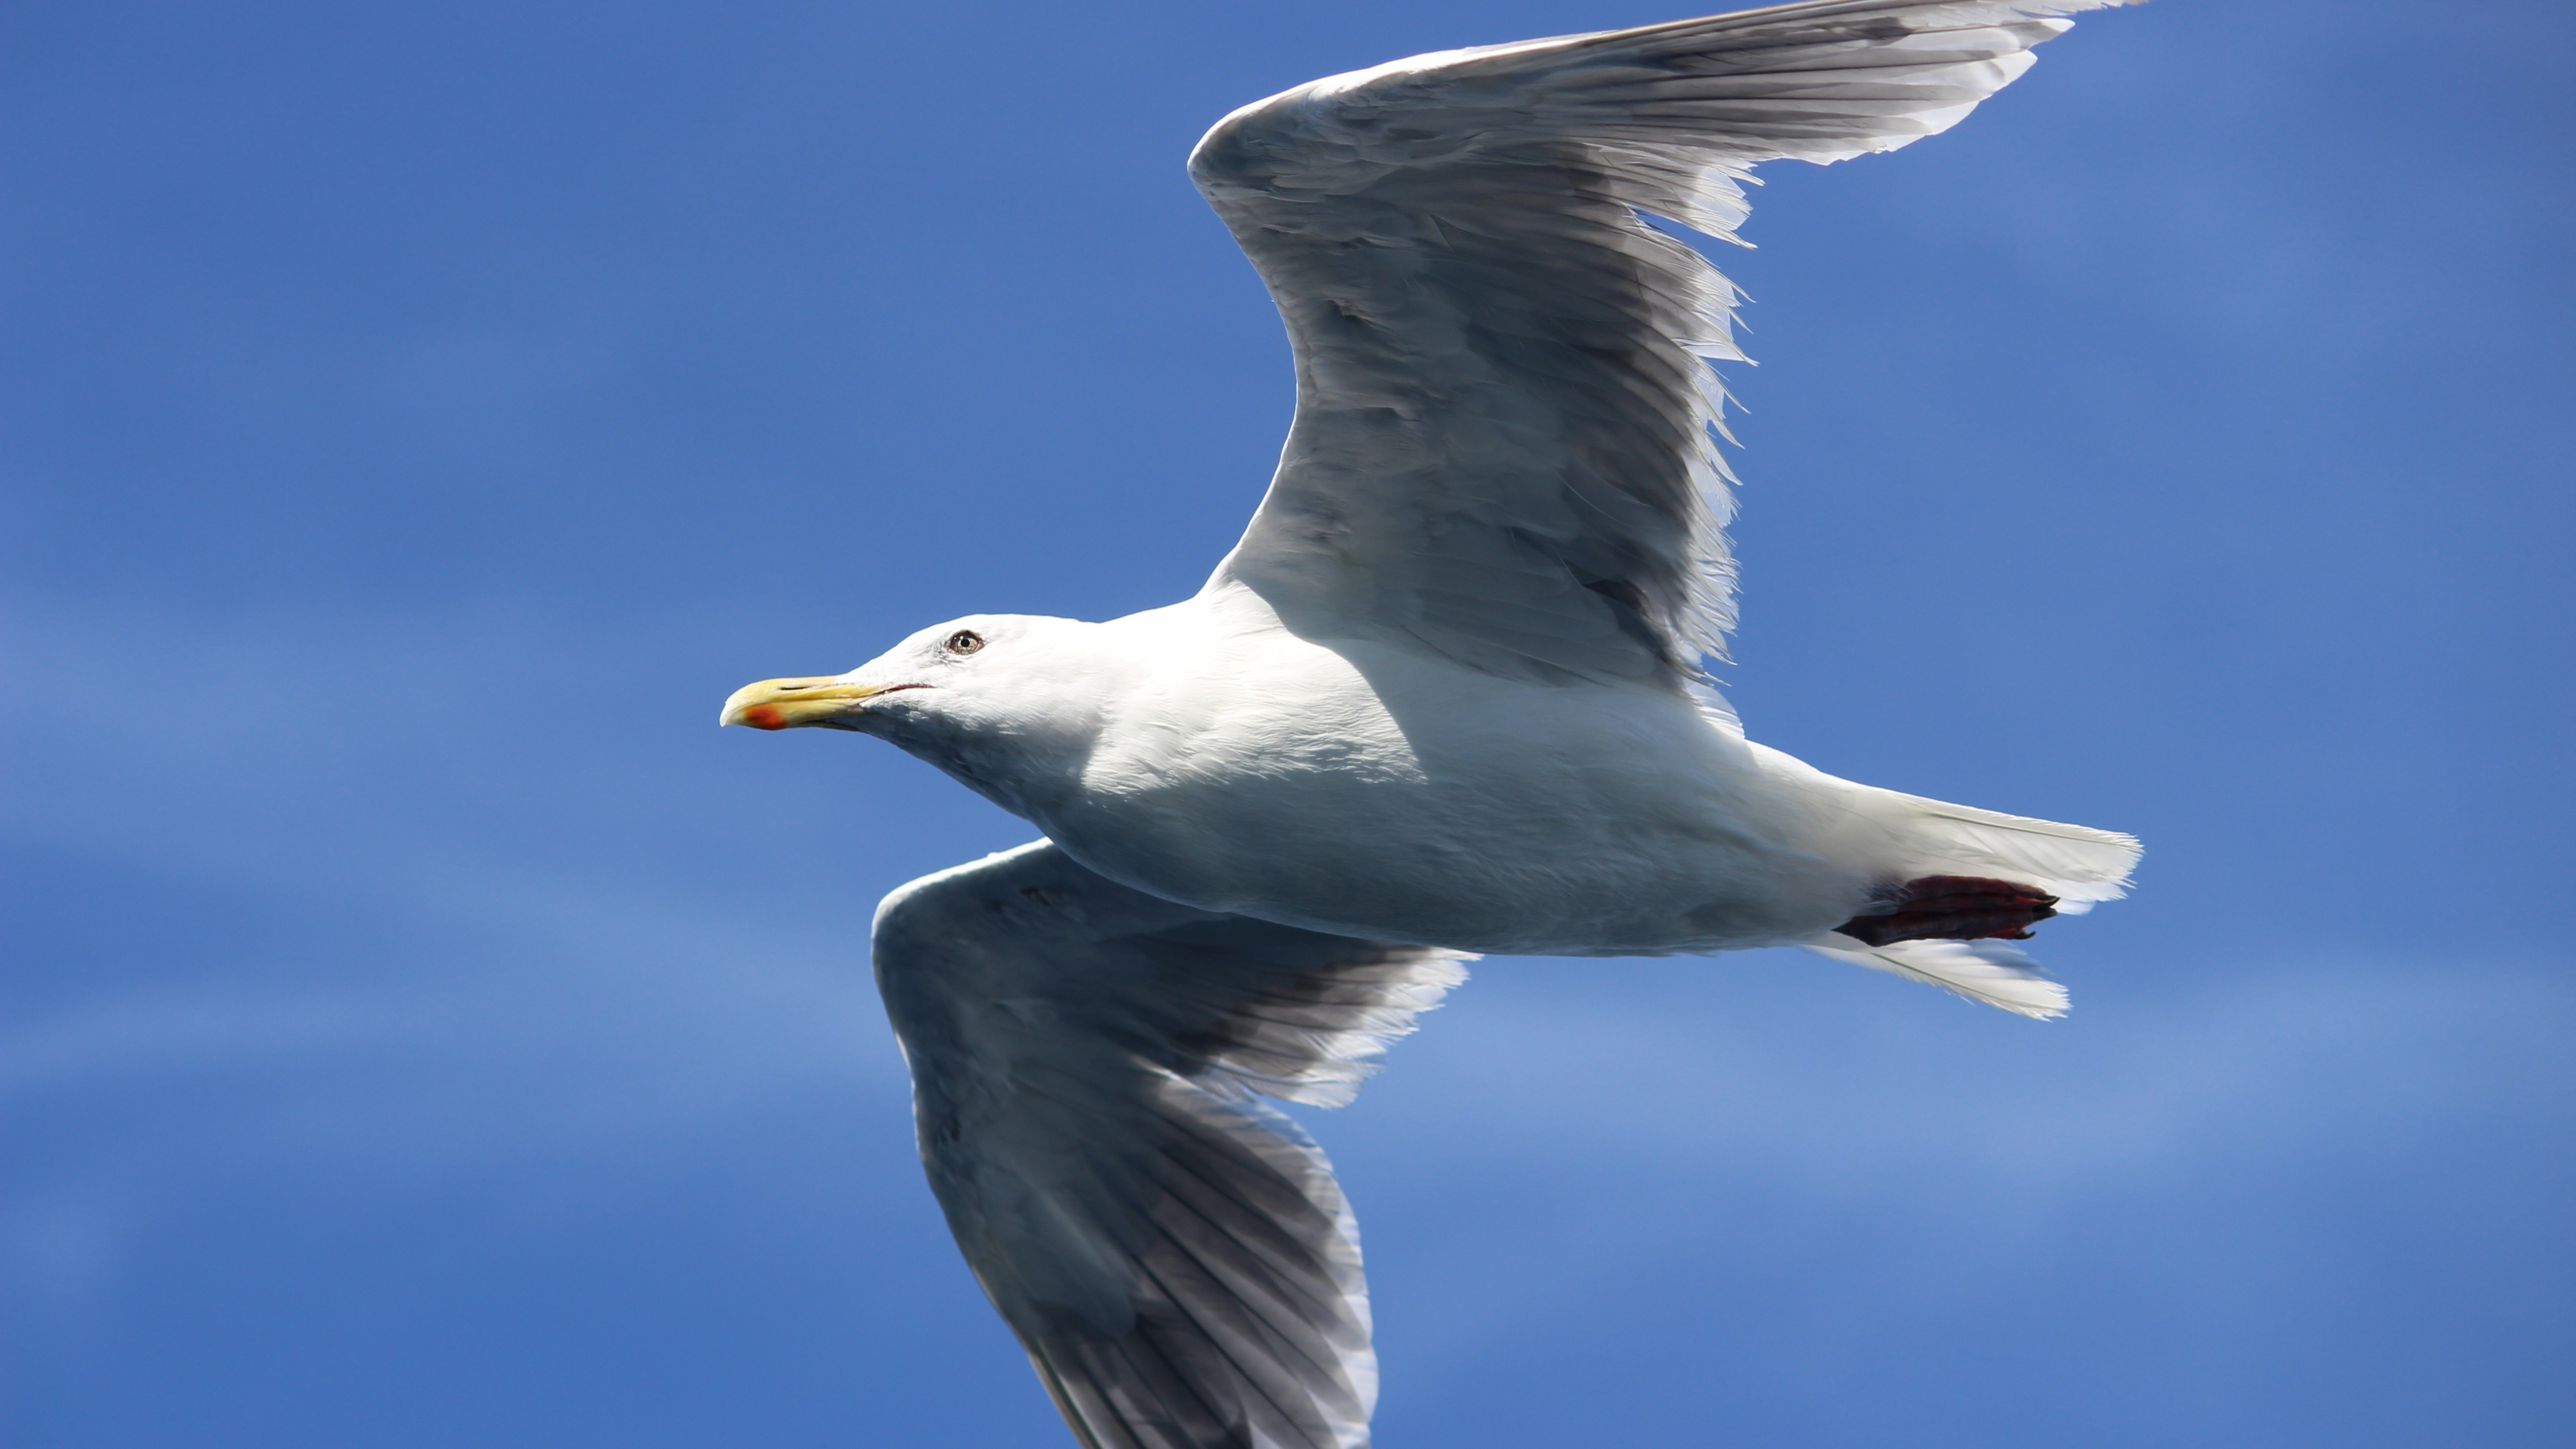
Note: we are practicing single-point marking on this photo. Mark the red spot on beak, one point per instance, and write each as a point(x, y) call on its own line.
point(764, 716)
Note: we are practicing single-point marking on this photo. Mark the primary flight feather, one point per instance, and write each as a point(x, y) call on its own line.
point(1445, 697)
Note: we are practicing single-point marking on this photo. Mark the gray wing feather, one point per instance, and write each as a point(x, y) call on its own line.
point(1173, 1253)
point(1505, 442)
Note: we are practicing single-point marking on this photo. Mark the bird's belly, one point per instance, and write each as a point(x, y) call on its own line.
point(1587, 833)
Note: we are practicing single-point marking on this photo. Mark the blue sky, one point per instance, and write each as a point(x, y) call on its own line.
point(425, 1028)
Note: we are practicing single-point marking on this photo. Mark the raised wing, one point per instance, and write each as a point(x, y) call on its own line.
point(1503, 446)
point(1173, 1253)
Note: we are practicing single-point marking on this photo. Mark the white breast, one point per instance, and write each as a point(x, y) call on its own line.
point(1379, 792)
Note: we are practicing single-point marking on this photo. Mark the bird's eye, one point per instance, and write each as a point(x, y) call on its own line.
point(965, 641)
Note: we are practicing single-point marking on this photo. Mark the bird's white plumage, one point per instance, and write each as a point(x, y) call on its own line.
point(1445, 696)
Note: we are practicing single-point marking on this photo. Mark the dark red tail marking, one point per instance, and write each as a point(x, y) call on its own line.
point(1954, 908)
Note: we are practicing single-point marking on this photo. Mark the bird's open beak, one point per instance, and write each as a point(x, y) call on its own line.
point(780, 704)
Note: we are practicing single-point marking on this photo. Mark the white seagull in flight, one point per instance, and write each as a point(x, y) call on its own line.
point(1445, 697)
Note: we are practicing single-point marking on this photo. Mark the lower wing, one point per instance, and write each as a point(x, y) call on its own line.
point(1087, 1064)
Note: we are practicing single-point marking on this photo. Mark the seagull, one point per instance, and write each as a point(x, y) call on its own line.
point(1447, 696)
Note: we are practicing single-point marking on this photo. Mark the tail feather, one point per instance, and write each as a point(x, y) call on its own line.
point(2075, 863)
point(1907, 840)
point(1994, 972)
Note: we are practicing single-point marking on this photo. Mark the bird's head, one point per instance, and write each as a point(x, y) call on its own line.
point(1007, 703)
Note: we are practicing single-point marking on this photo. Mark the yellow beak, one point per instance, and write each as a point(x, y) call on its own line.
point(779, 704)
